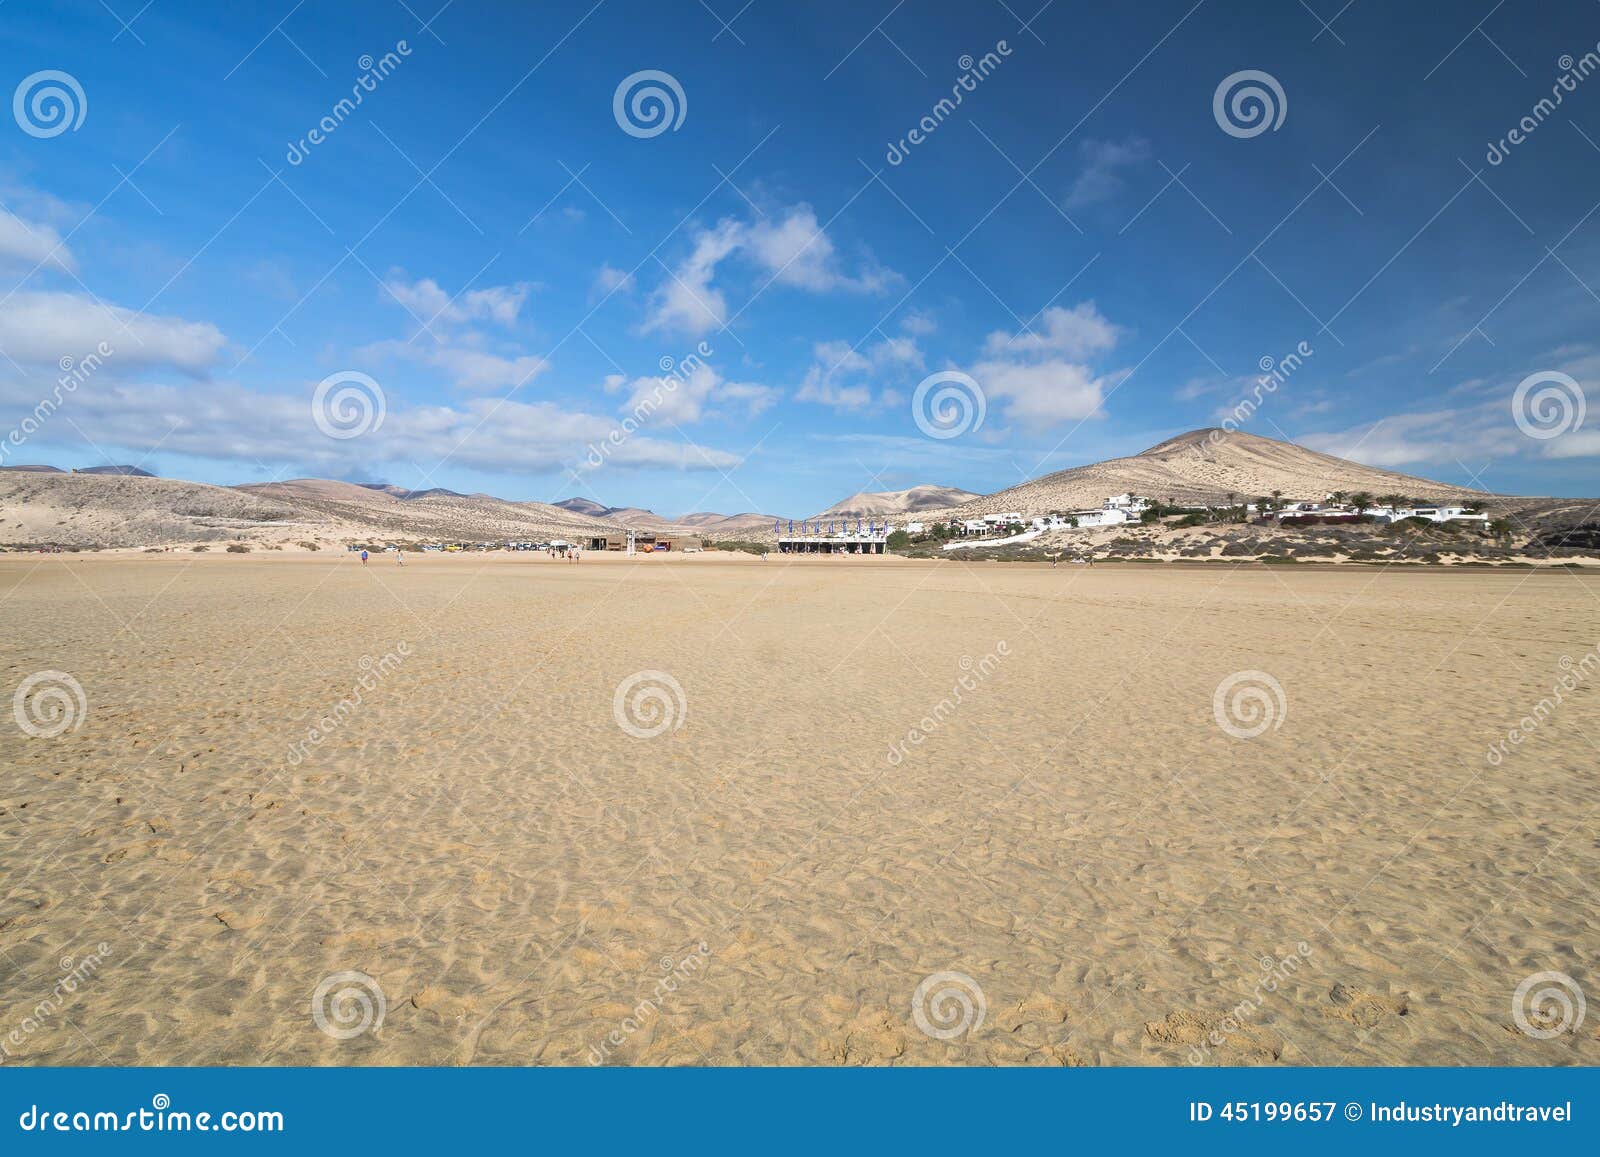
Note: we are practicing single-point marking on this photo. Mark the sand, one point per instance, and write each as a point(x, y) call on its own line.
point(773, 878)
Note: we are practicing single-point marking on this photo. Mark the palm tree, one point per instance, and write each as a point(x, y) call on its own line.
point(1361, 499)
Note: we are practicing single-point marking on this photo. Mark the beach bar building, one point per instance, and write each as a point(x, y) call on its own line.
point(641, 541)
point(835, 537)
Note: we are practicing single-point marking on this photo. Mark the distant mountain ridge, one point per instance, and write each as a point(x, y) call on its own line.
point(123, 471)
point(886, 503)
point(402, 493)
point(100, 507)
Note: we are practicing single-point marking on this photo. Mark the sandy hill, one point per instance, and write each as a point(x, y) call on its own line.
point(706, 524)
point(714, 526)
point(121, 510)
point(436, 514)
point(1206, 466)
point(127, 510)
point(891, 502)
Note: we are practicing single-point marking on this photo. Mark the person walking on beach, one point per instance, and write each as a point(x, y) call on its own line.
point(363, 558)
point(399, 558)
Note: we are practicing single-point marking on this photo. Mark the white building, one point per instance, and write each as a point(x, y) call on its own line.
point(1433, 514)
point(1131, 502)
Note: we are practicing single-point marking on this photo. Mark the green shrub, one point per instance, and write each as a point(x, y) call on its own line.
point(238, 548)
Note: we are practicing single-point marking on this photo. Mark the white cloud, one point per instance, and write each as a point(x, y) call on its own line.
point(791, 248)
point(610, 280)
point(1101, 177)
point(1445, 437)
point(1049, 392)
point(1042, 376)
point(38, 328)
point(1079, 332)
point(32, 244)
point(430, 304)
point(226, 421)
point(829, 380)
point(796, 251)
point(686, 301)
point(700, 394)
point(818, 387)
point(918, 324)
point(467, 366)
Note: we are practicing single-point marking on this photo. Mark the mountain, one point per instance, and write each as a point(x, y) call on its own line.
point(127, 510)
point(1206, 466)
point(731, 525)
point(891, 502)
point(703, 523)
point(402, 493)
point(36, 469)
point(123, 471)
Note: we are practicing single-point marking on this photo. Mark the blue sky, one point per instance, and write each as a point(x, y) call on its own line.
point(1080, 238)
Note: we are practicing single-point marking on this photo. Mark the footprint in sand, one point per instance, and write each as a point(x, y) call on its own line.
point(1364, 1009)
point(872, 1037)
point(1217, 1037)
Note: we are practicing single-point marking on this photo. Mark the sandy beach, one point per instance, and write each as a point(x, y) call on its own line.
point(870, 775)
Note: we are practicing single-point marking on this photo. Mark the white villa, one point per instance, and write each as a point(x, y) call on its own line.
point(1431, 513)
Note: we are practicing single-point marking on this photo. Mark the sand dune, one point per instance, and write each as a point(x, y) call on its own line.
point(517, 875)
